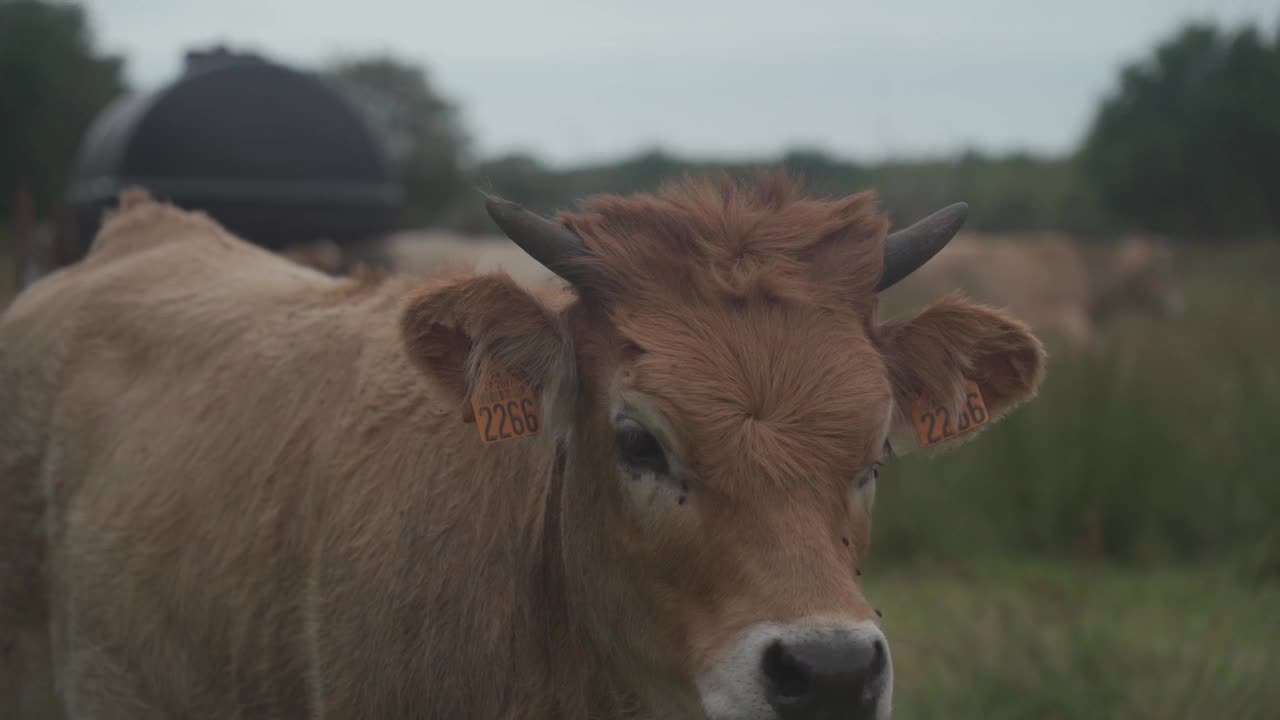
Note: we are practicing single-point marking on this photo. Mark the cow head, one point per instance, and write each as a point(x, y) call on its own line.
point(1140, 274)
point(723, 399)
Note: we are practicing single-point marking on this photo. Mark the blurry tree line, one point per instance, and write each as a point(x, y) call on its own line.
point(1005, 192)
point(1188, 143)
point(53, 82)
point(421, 133)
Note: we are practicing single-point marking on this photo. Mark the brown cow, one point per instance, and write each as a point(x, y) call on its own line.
point(1065, 289)
point(233, 487)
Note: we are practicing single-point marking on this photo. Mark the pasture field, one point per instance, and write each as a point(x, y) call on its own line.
point(1113, 549)
point(1030, 641)
point(1164, 449)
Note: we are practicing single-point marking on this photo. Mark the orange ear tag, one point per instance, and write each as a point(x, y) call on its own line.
point(505, 407)
point(936, 424)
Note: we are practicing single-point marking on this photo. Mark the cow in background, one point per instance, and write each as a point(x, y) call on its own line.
point(433, 250)
point(1066, 289)
point(424, 251)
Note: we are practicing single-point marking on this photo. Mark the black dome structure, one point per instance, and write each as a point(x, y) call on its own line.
point(275, 155)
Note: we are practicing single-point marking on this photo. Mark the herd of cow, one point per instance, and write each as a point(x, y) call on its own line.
point(634, 478)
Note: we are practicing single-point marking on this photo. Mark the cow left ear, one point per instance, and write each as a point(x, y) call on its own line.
point(936, 357)
point(456, 331)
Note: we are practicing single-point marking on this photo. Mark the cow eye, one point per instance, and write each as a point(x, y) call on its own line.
point(869, 475)
point(639, 450)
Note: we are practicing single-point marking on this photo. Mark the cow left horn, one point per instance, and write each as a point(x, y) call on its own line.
point(551, 244)
point(909, 248)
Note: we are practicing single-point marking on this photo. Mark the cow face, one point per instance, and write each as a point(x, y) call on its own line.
point(724, 483)
point(734, 456)
point(724, 403)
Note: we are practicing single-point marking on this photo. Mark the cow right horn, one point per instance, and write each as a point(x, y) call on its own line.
point(551, 244)
point(909, 248)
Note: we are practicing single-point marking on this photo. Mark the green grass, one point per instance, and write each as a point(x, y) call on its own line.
point(1010, 641)
point(1112, 550)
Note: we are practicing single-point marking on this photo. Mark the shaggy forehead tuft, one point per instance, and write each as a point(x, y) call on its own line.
point(727, 240)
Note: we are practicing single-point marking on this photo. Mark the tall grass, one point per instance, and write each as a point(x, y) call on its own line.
point(1163, 449)
point(1022, 641)
point(1112, 550)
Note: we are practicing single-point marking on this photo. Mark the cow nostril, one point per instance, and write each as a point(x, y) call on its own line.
point(879, 659)
point(827, 675)
point(788, 677)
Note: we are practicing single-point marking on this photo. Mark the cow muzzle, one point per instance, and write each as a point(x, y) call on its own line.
point(802, 671)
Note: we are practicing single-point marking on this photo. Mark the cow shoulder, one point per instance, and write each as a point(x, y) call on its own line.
point(140, 222)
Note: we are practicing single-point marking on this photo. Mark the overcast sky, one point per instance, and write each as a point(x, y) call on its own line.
point(582, 80)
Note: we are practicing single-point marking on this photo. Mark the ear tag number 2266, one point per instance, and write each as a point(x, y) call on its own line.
point(937, 424)
point(505, 407)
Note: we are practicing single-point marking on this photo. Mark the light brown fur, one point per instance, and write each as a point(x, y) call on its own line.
point(322, 255)
point(233, 487)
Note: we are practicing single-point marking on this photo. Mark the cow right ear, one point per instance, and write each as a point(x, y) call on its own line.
point(955, 367)
point(456, 331)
